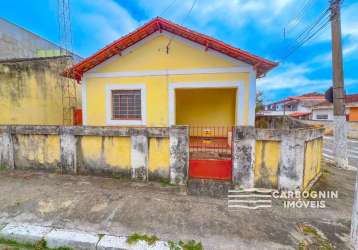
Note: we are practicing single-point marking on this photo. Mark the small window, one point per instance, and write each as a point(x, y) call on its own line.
point(322, 117)
point(126, 105)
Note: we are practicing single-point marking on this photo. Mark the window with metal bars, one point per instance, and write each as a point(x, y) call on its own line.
point(126, 105)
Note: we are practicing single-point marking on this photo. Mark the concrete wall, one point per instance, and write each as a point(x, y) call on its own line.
point(276, 158)
point(329, 126)
point(148, 153)
point(267, 162)
point(31, 92)
point(266, 158)
point(17, 42)
point(313, 157)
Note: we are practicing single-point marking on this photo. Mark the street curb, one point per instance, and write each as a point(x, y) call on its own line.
point(75, 239)
point(24, 233)
point(27, 233)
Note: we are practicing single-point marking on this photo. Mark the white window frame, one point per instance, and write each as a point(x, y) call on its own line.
point(115, 122)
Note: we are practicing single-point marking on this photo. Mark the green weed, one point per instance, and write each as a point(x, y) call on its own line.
point(134, 238)
point(39, 245)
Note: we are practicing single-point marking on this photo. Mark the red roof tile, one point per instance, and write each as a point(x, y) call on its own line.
point(352, 98)
point(298, 114)
point(158, 24)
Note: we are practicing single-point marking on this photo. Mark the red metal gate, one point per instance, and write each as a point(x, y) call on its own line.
point(210, 152)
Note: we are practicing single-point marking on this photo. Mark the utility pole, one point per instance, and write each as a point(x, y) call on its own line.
point(340, 124)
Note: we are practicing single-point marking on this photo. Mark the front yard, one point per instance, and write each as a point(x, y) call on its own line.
point(120, 207)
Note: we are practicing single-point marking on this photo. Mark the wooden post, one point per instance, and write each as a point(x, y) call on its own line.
point(340, 128)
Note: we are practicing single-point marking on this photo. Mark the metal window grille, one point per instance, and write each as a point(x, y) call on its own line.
point(126, 105)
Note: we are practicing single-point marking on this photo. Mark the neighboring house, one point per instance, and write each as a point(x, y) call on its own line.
point(163, 74)
point(17, 42)
point(295, 106)
point(32, 91)
point(324, 111)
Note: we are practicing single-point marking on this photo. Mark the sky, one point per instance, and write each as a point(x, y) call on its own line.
point(253, 25)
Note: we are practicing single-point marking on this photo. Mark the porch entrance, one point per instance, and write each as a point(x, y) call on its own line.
point(211, 113)
point(210, 152)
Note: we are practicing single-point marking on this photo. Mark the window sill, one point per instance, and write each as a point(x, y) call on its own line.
point(123, 122)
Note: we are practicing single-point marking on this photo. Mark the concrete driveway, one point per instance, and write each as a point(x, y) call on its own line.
point(120, 207)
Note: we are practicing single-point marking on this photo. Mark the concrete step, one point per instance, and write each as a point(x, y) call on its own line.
point(210, 188)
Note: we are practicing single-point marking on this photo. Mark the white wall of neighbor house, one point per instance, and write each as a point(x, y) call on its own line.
point(322, 114)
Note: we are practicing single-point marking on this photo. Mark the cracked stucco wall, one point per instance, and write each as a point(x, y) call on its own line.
point(31, 93)
point(141, 154)
point(287, 159)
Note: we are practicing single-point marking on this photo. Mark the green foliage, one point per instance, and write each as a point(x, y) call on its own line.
point(134, 238)
point(100, 236)
point(165, 182)
point(39, 245)
point(181, 245)
point(259, 101)
point(189, 245)
point(320, 242)
point(173, 246)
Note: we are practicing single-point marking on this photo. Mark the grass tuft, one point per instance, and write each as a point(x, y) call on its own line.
point(134, 238)
point(39, 245)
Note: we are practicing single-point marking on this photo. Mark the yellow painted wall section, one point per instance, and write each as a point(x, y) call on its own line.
point(31, 94)
point(312, 165)
point(158, 162)
point(37, 151)
point(112, 152)
point(205, 106)
point(157, 95)
point(152, 56)
point(267, 162)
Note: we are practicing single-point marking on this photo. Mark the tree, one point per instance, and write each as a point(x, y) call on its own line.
point(259, 101)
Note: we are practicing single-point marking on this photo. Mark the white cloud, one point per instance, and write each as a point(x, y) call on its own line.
point(292, 78)
point(102, 21)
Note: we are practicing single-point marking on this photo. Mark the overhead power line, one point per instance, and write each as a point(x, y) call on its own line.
point(306, 39)
point(186, 16)
point(294, 22)
point(309, 33)
point(167, 8)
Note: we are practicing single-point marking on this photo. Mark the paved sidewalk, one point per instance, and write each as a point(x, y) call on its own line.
point(116, 207)
point(56, 238)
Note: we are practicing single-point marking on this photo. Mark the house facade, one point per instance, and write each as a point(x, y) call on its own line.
point(163, 74)
point(295, 106)
point(324, 110)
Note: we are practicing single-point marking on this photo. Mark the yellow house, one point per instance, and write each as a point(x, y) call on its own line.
point(163, 74)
